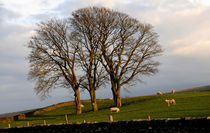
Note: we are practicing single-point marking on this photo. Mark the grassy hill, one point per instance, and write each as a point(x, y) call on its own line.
point(188, 104)
point(196, 89)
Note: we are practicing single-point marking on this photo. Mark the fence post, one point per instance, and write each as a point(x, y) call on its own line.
point(110, 118)
point(28, 124)
point(149, 118)
point(9, 126)
point(45, 122)
point(67, 121)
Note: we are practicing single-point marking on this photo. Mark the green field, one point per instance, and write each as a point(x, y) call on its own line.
point(188, 104)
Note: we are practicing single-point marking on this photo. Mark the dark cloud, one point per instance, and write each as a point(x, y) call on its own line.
point(5, 16)
point(12, 61)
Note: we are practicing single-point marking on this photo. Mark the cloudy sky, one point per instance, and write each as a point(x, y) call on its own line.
point(183, 27)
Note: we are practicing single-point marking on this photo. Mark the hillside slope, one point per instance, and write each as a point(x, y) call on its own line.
point(195, 89)
point(188, 104)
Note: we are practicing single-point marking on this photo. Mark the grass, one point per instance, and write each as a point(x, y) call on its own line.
point(188, 104)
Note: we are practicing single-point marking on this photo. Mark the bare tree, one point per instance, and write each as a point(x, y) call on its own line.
point(53, 59)
point(127, 46)
point(89, 55)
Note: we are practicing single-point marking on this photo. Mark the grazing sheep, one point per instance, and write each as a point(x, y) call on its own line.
point(173, 91)
point(167, 101)
point(82, 106)
point(172, 101)
point(114, 109)
point(159, 93)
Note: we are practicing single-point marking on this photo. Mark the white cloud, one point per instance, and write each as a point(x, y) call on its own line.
point(194, 40)
point(196, 49)
point(181, 24)
point(15, 38)
point(28, 8)
point(204, 2)
point(31, 7)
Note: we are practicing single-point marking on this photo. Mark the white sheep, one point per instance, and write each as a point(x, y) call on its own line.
point(172, 101)
point(159, 93)
point(82, 106)
point(173, 91)
point(114, 109)
point(167, 101)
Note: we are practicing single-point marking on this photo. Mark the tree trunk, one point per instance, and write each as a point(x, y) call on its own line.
point(77, 102)
point(116, 96)
point(93, 100)
point(117, 99)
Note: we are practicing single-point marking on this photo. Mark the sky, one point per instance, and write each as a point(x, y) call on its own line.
point(184, 33)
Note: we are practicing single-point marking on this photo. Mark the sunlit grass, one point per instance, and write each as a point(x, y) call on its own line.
point(190, 104)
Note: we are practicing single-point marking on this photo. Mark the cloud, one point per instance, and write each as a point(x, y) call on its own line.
point(182, 25)
point(31, 7)
point(15, 37)
point(197, 49)
point(193, 39)
point(7, 14)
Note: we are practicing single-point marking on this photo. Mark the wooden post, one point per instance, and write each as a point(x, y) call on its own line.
point(9, 126)
point(110, 118)
point(45, 122)
point(66, 117)
point(84, 121)
point(28, 124)
point(149, 118)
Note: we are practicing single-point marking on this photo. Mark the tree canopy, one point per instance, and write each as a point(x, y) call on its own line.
point(94, 47)
point(127, 46)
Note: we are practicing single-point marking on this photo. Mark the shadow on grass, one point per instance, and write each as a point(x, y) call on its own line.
point(129, 101)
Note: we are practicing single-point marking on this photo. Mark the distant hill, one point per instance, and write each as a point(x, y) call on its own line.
point(2, 116)
point(196, 89)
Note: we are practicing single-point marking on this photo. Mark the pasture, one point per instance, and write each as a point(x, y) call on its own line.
point(188, 104)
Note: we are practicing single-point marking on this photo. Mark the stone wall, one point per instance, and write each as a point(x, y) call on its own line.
point(12, 118)
point(153, 126)
point(6, 120)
